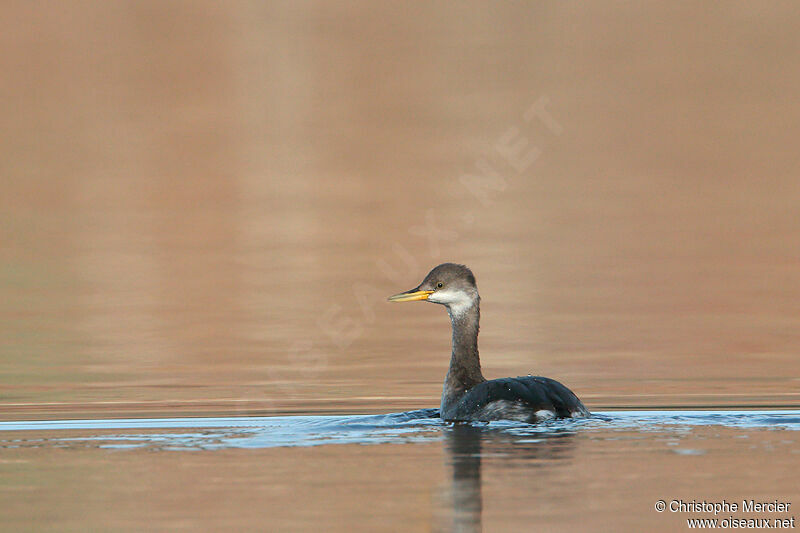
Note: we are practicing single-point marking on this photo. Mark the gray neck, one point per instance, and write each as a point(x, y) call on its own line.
point(465, 364)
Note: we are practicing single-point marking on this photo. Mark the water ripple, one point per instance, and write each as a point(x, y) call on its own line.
point(408, 427)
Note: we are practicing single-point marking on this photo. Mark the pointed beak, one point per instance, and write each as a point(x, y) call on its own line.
point(410, 296)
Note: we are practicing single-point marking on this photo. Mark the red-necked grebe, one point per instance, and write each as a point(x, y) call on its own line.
point(467, 395)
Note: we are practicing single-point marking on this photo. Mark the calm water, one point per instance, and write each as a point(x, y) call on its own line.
point(405, 471)
point(204, 205)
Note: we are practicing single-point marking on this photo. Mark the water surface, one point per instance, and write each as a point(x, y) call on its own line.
point(412, 426)
point(384, 472)
point(203, 206)
point(204, 213)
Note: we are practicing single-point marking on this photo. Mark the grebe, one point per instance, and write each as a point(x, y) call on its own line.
point(467, 395)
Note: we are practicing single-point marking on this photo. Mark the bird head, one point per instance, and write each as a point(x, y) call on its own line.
point(448, 284)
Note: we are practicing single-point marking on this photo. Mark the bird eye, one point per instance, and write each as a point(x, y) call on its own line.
point(439, 284)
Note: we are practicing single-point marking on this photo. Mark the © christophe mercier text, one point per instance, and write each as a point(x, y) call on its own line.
point(747, 506)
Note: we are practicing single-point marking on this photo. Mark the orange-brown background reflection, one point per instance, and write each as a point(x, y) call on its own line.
point(204, 204)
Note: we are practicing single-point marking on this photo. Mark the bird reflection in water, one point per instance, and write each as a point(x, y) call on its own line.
point(467, 444)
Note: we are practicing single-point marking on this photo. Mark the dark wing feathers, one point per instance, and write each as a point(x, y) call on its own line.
point(539, 393)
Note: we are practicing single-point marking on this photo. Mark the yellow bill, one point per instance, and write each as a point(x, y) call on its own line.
point(410, 296)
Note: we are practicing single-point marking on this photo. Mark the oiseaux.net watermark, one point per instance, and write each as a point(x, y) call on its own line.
point(744, 514)
point(512, 155)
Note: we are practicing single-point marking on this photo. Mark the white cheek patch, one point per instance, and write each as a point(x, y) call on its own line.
point(457, 301)
point(460, 307)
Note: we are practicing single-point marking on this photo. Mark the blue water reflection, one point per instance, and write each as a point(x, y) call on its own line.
point(409, 427)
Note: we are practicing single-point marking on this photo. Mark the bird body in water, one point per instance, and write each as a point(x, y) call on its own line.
point(467, 395)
